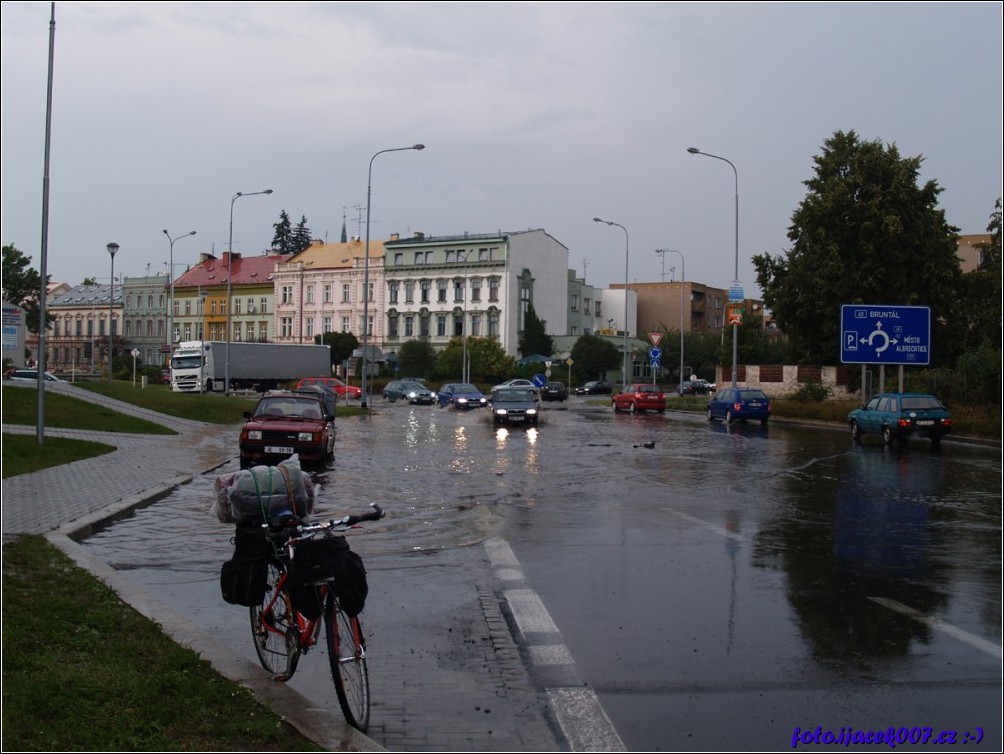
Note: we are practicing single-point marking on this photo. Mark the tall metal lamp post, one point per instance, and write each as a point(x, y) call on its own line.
point(170, 271)
point(112, 248)
point(366, 265)
point(683, 288)
point(230, 264)
point(626, 250)
point(735, 278)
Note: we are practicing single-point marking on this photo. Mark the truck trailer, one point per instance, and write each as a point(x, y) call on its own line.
point(201, 366)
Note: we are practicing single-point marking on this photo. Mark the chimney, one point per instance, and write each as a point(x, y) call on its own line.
point(395, 236)
point(419, 235)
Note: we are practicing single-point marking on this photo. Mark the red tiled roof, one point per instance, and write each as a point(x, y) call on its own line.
point(246, 271)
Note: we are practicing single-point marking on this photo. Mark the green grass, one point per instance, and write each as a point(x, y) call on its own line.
point(22, 454)
point(214, 408)
point(20, 406)
point(82, 671)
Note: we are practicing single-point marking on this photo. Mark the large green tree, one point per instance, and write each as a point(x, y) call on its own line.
point(983, 295)
point(487, 359)
point(534, 338)
point(300, 238)
point(416, 358)
point(867, 231)
point(342, 345)
point(22, 285)
point(282, 241)
point(592, 356)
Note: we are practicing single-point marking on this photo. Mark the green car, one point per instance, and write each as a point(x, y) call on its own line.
point(900, 415)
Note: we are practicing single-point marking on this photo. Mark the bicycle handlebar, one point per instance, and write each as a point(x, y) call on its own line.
point(294, 530)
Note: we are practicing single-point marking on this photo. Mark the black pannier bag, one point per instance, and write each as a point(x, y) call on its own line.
point(324, 558)
point(243, 578)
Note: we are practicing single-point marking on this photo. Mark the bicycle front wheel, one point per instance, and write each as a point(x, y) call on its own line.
point(273, 626)
point(347, 654)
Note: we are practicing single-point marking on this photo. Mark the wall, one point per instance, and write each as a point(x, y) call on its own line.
point(781, 381)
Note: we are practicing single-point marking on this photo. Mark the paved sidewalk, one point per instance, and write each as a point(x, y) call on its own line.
point(65, 501)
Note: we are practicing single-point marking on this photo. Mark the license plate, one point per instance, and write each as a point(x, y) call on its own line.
point(925, 422)
point(516, 418)
point(278, 449)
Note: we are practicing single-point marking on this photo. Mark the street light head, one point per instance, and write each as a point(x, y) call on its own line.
point(192, 233)
point(693, 150)
point(112, 248)
point(418, 147)
point(166, 233)
point(598, 220)
point(267, 191)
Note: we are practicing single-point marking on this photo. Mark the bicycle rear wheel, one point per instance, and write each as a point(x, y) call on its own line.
point(347, 655)
point(273, 627)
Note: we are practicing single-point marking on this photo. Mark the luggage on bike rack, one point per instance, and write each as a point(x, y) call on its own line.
point(243, 578)
point(324, 558)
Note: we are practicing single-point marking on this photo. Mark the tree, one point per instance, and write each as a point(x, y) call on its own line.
point(282, 241)
point(90, 281)
point(487, 359)
point(342, 345)
point(300, 238)
point(22, 285)
point(866, 232)
point(534, 338)
point(592, 356)
point(983, 295)
point(416, 358)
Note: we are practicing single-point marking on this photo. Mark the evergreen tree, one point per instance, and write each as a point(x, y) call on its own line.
point(300, 238)
point(534, 338)
point(22, 286)
point(866, 232)
point(282, 241)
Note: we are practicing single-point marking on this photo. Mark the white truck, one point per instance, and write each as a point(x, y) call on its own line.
point(201, 366)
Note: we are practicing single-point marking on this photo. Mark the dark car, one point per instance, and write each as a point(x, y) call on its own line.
point(287, 422)
point(461, 395)
point(554, 391)
point(640, 397)
point(594, 387)
point(739, 404)
point(409, 390)
point(899, 415)
point(694, 387)
point(344, 391)
point(515, 406)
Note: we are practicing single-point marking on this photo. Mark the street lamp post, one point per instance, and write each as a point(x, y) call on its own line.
point(170, 309)
point(463, 362)
point(366, 265)
point(735, 279)
point(683, 288)
point(230, 265)
point(112, 248)
point(627, 244)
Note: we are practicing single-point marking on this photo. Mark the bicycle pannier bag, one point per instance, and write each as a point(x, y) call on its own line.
point(351, 583)
point(321, 559)
point(243, 578)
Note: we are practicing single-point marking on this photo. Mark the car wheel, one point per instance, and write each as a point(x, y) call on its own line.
point(631, 408)
point(613, 405)
point(710, 417)
point(729, 418)
point(887, 435)
point(855, 432)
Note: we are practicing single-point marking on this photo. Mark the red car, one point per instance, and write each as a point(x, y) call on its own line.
point(343, 390)
point(283, 423)
point(640, 397)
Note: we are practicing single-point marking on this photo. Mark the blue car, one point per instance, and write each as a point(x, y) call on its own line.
point(899, 415)
point(739, 404)
point(461, 395)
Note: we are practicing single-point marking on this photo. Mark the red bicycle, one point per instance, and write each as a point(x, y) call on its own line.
point(288, 621)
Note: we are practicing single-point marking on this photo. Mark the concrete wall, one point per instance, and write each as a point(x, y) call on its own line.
point(781, 381)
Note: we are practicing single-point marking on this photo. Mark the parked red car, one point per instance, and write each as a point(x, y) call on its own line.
point(343, 390)
point(640, 397)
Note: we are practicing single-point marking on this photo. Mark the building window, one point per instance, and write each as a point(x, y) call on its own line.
point(128, 331)
point(423, 326)
point(476, 325)
point(346, 295)
point(441, 291)
point(493, 289)
point(419, 257)
point(285, 327)
point(398, 259)
point(575, 302)
point(458, 289)
point(599, 310)
point(236, 303)
point(426, 291)
point(263, 305)
point(409, 325)
point(310, 327)
point(237, 330)
point(327, 293)
point(327, 324)
point(440, 325)
point(493, 325)
point(149, 301)
point(369, 292)
point(249, 332)
point(409, 292)
point(458, 325)
point(188, 307)
point(286, 293)
point(392, 327)
point(212, 307)
point(346, 327)
point(393, 287)
point(475, 290)
point(310, 293)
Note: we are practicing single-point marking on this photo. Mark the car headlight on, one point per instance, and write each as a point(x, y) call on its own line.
point(411, 395)
point(500, 412)
point(254, 434)
point(461, 400)
point(304, 436)
point(531, 411)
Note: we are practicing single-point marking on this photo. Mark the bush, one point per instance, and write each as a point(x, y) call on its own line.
point(812, 392)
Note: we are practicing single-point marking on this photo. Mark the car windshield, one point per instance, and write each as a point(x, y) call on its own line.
point(513, 396)
point(465, 388)
point(920, 403)
point(412, 386)
point(288, 407)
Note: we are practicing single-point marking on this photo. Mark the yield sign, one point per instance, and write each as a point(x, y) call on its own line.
point(655, 337)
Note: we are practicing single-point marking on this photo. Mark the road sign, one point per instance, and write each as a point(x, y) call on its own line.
point(736, 292)
point(655, 353)
point(735, 313)
point(656, 338)
point(883, 334)
point(539, 380)
point(654, 363)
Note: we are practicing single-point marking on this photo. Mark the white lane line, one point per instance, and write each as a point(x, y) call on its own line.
point(939, 625)
point(713, 527)
point(583, 720)
point(530, 613)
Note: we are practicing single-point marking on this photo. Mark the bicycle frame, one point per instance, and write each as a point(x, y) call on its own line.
point(307, 630)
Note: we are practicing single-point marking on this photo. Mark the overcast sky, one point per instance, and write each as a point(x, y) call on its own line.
point(534, 115)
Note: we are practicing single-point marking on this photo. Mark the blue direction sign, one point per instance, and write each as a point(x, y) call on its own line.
point(539, 380)
point(879, 334)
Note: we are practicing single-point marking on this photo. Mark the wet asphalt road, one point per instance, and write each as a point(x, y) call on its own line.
point(717, 587)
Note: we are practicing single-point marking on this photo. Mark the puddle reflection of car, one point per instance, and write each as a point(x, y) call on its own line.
point(514, 406)
point(409, 390)
point(739, 404)
point(462, 396)
point(900, 415)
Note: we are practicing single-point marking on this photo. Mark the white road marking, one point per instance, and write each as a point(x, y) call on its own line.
point(939, 625)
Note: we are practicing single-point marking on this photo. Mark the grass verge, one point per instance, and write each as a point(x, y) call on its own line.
point(20, 406)
point(22, 453)
point(104, 678)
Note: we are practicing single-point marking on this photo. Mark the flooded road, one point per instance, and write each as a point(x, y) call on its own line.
point(718, 587)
